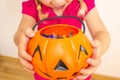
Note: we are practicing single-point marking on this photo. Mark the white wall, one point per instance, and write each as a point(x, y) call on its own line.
point(110, 13)
point(9, 20)
point(10, 14)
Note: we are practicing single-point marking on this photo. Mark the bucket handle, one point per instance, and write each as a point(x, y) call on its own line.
point(56, 17)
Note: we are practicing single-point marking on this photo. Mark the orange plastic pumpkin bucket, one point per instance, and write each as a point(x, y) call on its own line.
point(59, 51)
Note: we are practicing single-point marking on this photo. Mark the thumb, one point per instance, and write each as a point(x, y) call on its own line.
point(29, 32)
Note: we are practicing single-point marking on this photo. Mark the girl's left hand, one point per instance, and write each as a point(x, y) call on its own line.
point(93, 62)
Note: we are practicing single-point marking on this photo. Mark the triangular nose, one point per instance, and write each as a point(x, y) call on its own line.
point(61, 66)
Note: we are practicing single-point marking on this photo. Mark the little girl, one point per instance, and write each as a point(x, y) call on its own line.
point(35, 10)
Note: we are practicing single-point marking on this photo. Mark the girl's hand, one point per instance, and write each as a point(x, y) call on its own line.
point(93, 62)
point(24, 57)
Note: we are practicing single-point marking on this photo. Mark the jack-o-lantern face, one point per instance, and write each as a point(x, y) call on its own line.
point(59, 51)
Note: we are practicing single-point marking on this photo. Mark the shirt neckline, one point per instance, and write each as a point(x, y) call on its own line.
point(71, 9)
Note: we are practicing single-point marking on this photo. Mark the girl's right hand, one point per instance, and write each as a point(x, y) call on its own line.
point(24, 57)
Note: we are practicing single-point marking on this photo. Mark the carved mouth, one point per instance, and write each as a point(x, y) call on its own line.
point(44, 73)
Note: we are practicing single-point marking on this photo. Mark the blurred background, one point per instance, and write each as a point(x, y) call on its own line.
point(10, 15)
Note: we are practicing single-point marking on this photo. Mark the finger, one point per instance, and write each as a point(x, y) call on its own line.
point(85, 73)
point(88, 71)
point(81, 77)
point(75, 79)
point(29, 32)
point(23, 41)
point(26, 64)
point(31, 71)
point(94, 62)
point(22, 48)
point(24, 54)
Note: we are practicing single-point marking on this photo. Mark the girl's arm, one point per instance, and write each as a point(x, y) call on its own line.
point(21, 38)
point(97, 29)
point(100, 43)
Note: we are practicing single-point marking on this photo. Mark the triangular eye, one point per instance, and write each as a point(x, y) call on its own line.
point(37, 49)
point(83, 50)
point(61, 66)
